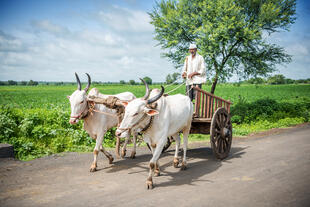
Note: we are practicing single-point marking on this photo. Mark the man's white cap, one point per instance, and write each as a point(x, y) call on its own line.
point(192, 46)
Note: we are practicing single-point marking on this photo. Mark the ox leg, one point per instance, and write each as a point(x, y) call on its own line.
point(107, 154)
point(117, 146)
point(133, 153)
point(185, 141)
point(154, 162)
point(93, 166)
point(177, 146)
point(123, 154)
point(157, 170)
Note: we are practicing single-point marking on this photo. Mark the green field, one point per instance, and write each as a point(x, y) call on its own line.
point(35, 119)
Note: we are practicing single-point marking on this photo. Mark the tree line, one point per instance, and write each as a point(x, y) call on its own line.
point(170, 78)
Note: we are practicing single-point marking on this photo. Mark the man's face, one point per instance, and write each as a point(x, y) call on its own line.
point(193, 51)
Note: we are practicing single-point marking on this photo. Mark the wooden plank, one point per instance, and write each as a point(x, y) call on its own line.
point(201, 119)
point(211, 106)
point(210, 94)
point(200, 128)
point(203, 106)
point(198, 94)
point(208, 106)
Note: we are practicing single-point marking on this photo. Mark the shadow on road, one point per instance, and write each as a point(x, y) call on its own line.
point(201, 161)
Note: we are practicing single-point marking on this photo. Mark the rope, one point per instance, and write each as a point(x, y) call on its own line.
point(179, 87)
point(172, 83)
point(175, 88)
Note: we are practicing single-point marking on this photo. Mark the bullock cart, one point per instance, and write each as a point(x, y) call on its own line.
point(211, 116)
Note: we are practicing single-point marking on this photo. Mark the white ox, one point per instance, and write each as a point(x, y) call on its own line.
point(172, 115)
point(96, 124)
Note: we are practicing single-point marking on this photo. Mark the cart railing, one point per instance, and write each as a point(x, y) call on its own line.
point(206, 104)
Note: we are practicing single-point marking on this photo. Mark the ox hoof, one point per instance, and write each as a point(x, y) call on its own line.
point(123, 154)
point(93, 168)
point(156, 173)
point(175, 162)
point(111, 160)
point(183, 167)
point(133, 155)
point(149, 185)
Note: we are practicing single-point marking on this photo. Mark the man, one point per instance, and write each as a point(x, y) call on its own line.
point(194, 71)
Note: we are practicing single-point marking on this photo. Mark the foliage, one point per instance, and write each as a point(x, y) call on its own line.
point(132, 82)
point(229, 33)
point(170, 78)
point(32, 83)
point(122, 82)
point(148, 80)
point(276, 79)
point(36, 119)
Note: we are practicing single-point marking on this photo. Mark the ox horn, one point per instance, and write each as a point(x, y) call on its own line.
point(155, 98)
point(88, 83)
point(78, 81)
point(147, 90)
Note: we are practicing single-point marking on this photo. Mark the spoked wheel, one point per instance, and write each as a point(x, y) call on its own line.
point(167, 145)
point(221, 133)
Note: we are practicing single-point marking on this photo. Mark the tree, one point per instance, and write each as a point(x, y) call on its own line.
point(132, 82)
point(23, 83)
point(12, 83)
point(32, 83)
point(256, 80)
point(148, 80)
point(122, 82)
point(229, 34)
point(276, 79)
point(170, 78)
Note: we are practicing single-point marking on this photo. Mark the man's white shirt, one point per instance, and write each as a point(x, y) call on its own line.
point(196, 64)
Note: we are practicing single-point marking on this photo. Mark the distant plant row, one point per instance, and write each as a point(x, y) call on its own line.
point(170, 78)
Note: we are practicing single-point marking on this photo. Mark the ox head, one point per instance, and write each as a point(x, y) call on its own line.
point(78, 101)
point(136, 110)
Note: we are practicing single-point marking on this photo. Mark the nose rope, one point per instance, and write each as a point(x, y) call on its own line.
point(80, 114)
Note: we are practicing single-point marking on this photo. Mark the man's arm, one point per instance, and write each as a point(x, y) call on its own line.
point(201, 68)
point(184, 71)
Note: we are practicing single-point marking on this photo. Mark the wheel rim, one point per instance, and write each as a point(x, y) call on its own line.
point(221, 133)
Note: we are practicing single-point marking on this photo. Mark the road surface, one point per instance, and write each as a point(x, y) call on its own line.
point(270, 170)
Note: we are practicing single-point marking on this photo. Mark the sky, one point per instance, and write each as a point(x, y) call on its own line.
point(112, 40)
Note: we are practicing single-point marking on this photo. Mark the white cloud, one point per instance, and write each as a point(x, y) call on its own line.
point(49, 27)
point(121, 48)
point(123, 19)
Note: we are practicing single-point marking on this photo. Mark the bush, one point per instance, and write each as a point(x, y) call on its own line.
point(37, 132)
point(268, 109)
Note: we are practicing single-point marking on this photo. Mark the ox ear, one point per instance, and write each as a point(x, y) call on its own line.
point(68, 97)
point(124, 103)
point(150, 112)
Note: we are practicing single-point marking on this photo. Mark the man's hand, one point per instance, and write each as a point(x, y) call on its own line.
point(184, 75)
point(190, 76)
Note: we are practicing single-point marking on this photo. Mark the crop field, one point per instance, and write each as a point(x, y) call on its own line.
point(35, 118)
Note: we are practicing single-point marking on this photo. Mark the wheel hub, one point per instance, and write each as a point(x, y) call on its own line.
point(225, 132)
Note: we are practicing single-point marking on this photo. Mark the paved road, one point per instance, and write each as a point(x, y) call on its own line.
point(264, 171)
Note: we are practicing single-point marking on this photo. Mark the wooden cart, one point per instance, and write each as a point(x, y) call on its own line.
point(212, 117)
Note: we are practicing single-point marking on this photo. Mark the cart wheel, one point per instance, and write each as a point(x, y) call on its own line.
point(167, 145)
point(221, 133)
